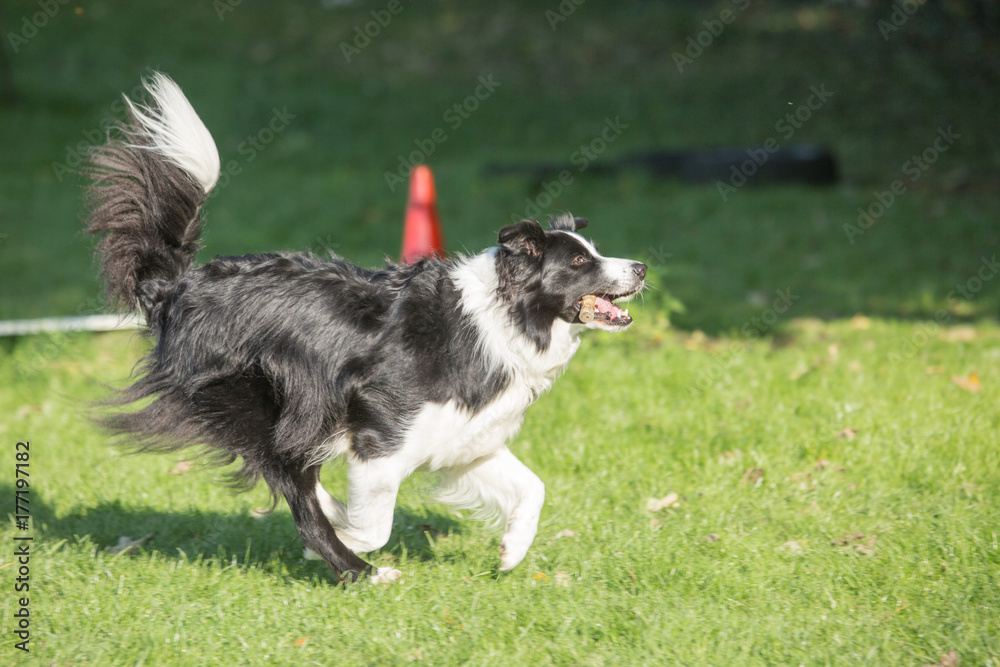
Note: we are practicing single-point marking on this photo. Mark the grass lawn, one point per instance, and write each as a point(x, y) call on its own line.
point(763, 460)
point(824, 404)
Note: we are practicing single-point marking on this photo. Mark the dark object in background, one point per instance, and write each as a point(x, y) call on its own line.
point(798, 163)
point(7, 93)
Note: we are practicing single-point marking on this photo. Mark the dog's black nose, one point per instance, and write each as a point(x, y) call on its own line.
point(639, 269)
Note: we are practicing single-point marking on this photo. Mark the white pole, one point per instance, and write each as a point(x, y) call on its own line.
point(79, 323)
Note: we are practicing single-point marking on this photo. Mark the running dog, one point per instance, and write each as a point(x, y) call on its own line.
point(285, 360)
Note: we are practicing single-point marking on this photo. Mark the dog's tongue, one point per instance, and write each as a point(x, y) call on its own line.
point(608, 308)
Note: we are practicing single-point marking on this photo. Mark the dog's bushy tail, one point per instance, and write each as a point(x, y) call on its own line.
point(148, 184)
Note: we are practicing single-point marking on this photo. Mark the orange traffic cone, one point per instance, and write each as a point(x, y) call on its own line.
point(422, 231)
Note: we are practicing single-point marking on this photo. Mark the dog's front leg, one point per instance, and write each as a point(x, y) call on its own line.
point(365, 523)
point(522, 519)
point(500, 480)
point(334, 510)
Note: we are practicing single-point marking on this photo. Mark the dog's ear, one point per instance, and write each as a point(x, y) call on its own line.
point(525, 237)
point(567, 222)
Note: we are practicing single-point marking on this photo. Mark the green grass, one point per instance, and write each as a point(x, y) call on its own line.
point(922, 474)
point(858, 424)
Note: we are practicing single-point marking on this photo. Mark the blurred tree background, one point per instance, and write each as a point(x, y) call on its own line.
point(363, 87)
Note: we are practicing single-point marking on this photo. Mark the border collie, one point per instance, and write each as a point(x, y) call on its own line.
point(286, 361)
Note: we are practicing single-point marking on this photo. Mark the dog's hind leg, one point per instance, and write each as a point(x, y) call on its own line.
point(299, 489)
point(500, 481)
point(335, 512)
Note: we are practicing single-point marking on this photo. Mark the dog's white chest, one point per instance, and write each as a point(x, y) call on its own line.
point(447, 435)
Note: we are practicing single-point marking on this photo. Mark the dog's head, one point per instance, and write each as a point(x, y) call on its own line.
point(546, 275)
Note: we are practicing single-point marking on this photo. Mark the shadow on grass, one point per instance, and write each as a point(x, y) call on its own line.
point(269, 542)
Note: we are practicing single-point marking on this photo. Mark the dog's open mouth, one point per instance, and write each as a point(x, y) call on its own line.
point(603, 311)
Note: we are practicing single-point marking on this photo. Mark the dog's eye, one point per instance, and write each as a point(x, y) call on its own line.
point(579, 260)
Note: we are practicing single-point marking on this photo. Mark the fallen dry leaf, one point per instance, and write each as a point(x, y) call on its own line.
point(562, 578)
point(695, 340)
point(853, 542)
point(566, 533)
point(128, 545)
point(960, 334)
point(934, 370)
point(969, 384)
point(848, 538)
point(712, 537)
point(26, 410)
point(895, 611)
point(803, 480)
point(727, 458)
point(793, 546)
point(541, 576)
point(847, 433)
point(181, 468)
point(753, 476)
point(799, 371)
point(860, 322)
point(868, 548)
point(666, 502)
point(949, 659)
point(808, 324)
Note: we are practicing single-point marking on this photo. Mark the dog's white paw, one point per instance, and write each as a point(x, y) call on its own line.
point(511, 554)
point(385, 575)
